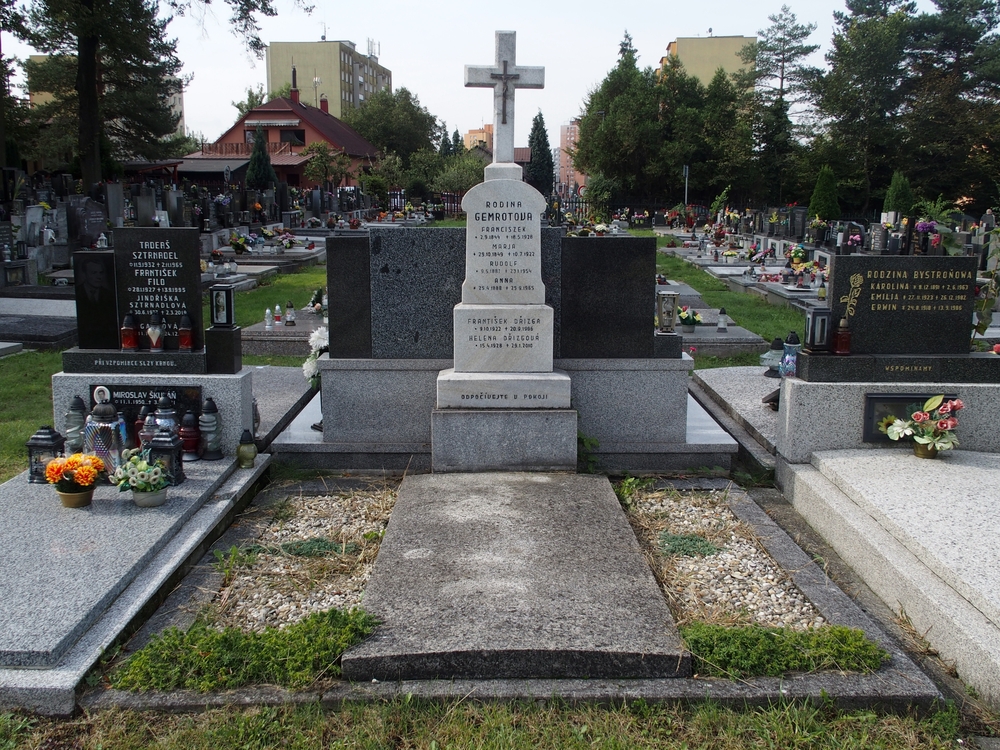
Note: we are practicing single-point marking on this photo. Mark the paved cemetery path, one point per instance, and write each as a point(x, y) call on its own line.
point(513, 575)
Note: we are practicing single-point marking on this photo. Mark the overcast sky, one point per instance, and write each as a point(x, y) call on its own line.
point(426, 45)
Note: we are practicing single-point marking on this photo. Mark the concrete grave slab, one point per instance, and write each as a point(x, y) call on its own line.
point(507, 575)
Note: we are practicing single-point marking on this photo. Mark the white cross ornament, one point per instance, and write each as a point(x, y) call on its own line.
point(504, 78)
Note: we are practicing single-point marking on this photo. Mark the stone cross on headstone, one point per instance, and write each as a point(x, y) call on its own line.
point(504, 78)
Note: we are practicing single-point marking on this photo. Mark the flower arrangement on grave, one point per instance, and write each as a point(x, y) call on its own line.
point(853, 240)
point(196, 209)
point(926, 226)
point(139, 473)
point(600, 229)
point(318, 300)
point(354, 223)
point(817, 223)
point(287, 240)
point(730, 253)
point(75, 473)
point(222, 199)
point(314, 222)
point(319, 343)
point(203, 265)
point(773, 218)
point(217, 256)
point(796, 254)
point(688, 316)
point(931, 424)
point(239, 243)
point(44, 206)
point(398, 215)
point(268, 234)
point(257, 207)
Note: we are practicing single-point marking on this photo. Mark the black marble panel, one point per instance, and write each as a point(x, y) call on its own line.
point(348, 278)
point(976, 367)
point(116, 361)
point(159, 270)
point(97, 319)
point(608, 297)
point(223, 350)
point(905, 305)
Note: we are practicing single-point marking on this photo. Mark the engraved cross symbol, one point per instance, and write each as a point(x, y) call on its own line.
point(504, 78)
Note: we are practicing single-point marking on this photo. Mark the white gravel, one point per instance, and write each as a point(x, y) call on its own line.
point(738, 585)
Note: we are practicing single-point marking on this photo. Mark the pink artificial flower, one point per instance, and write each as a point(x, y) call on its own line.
point(957, 404)
point(943, 424)
point(996, 348)
point(920, 416)
point(952, 423)
point(945, 408)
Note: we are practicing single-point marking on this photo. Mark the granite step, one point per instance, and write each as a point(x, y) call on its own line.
point(913, 530)
point(513, 575)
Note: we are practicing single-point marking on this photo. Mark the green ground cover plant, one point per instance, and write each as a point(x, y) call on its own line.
point(206, 659)
point(687, 545)
point(25, 405)
point(755, 650)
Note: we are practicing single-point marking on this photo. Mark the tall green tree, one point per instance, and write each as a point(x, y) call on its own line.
point(395, 121)
point(860, 97)
point(775, 64)
point(260, 172)
point(951, 99)
point(125, 72)
point(727, 131)
point(899, 197)
point(445, 148)
point(824, 198)
point(457, 145)
point(257, 96)
point(540, 172)
point(107, 37)
point(620, 131)
point(460, 173)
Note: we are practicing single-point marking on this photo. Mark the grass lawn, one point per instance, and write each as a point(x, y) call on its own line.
point(411, 723)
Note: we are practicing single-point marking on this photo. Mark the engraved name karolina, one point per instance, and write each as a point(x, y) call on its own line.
point(503, 267)
point(915, 290)
point(503, 333)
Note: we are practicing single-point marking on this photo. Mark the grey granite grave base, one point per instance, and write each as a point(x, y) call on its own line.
point(919, 533)
point(281, 339)
point(113, 546)
point(8, 347)
point(233, 395)
point(710, 342)
point(503, 440)
point(77, 360)
point(485, 576)
point(830, 416)
point(503, 390)
point(377, 414)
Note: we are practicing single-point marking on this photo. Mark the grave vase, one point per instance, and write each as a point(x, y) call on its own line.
point(152, 499)
point(687, 329)
point(922, 450)
point(76, 499)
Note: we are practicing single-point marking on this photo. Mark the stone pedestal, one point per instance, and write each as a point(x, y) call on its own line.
point(465, 440)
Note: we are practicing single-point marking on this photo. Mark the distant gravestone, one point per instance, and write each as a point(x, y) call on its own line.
point(159, 270)
point(905, 305)
point(880, 239)
point(6, 239)
point(145, 206)
point(86, 220)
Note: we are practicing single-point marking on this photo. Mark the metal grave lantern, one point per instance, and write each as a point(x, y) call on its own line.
point(168, 448)
point(818, 334)
point(666, 311)
point(221, 298)
point(43, 446)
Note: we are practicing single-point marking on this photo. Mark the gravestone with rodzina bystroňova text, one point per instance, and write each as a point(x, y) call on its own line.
point(910, 319)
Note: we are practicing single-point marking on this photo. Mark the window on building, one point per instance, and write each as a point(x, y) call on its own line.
point(295, 137)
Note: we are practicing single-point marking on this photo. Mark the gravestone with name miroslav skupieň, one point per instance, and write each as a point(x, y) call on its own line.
point(129, 399)
point(910, 320)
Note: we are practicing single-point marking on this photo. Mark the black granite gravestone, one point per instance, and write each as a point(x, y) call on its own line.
point(899, 305)
point(159, 270)
point(879, 239)
point(7, 247)
point(129, 399)
point(97, 319)
point(86, 220)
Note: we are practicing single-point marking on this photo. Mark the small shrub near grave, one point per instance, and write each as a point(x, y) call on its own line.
point(205, 659)
point(756, 651)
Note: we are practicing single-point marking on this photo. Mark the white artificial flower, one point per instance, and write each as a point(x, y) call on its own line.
point(319, 338)
point(310, 369)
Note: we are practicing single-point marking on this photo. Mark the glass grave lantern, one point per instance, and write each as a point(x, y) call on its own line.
point(723, 324)
point(246, 451)
point(190, 436)
point(43, 446)
point(73, 422)
point(130, 334)
point(166, 415)
point(184, 333)
point(666, 311)
point(104, 433)
point(168, 448)
point(154, 333)
point(771, 359)
point(210, 423)
point(289, 314)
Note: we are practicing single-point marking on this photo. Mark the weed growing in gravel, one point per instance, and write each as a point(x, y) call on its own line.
point(205, 659)
point(628, 487)
point(689, 545)
point(229, 562)
point(753, 650)
point(314, 547)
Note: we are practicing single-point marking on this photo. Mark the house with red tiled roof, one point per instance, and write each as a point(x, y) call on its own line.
point(289, 126)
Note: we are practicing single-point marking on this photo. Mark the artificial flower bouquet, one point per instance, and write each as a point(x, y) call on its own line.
point(319, 343)
point(688, 316)
point(137, 472)
point(75, 473)
point(932, 424)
